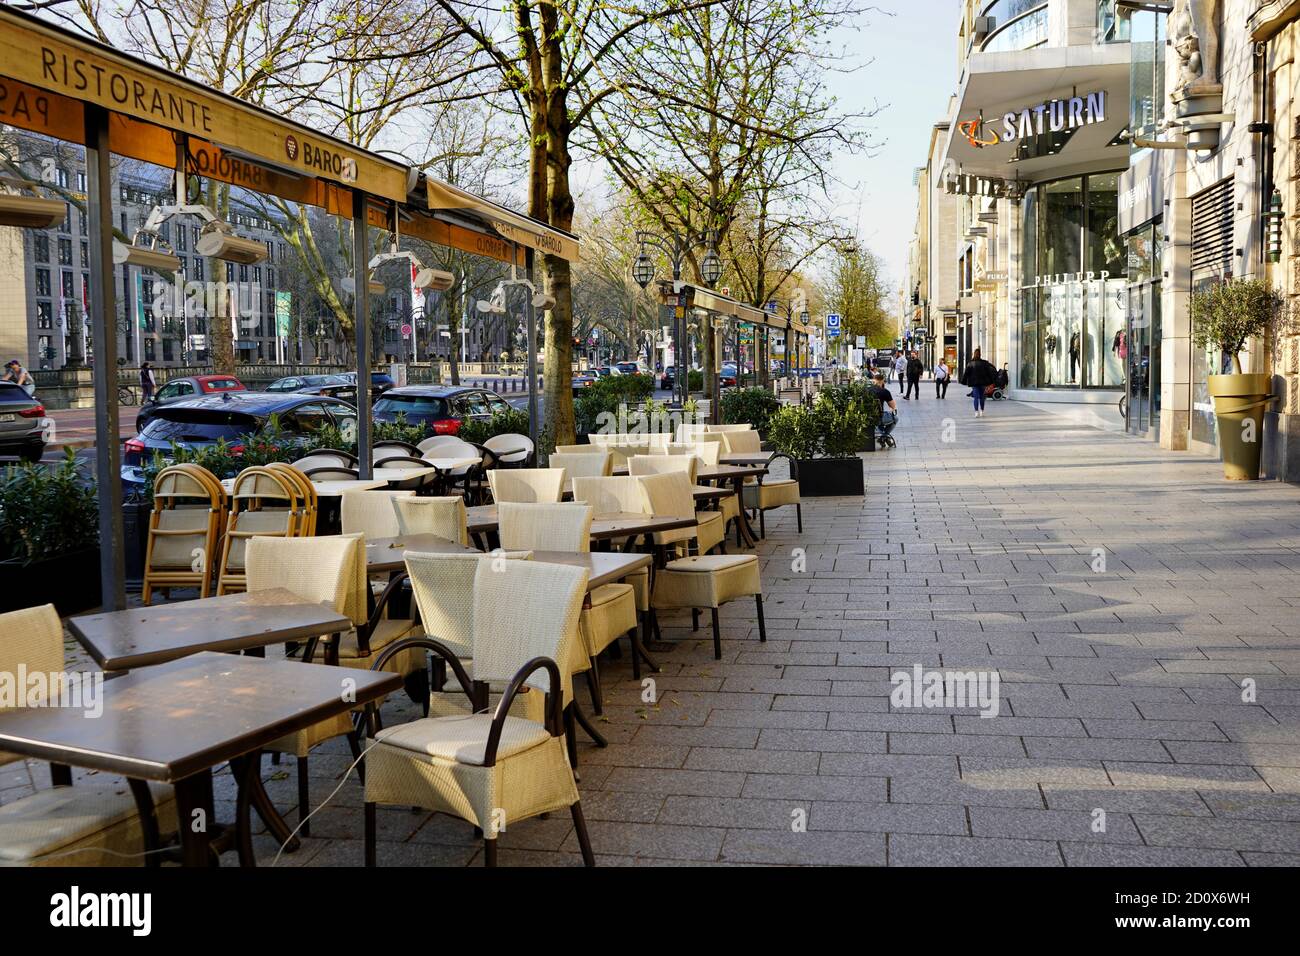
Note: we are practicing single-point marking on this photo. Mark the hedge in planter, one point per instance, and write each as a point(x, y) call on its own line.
point(822, 441)
point(49, 537)
point(753, 405)
point(1225, 318)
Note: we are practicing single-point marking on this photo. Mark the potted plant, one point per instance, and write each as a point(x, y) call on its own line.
point(1225, 318)
point(822, 441)
point(856, 393)
point(49, 538)
point(753, 405)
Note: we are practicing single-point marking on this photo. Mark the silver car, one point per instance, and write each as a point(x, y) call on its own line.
point(22, 423)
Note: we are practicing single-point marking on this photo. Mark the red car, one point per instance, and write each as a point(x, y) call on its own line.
point(192, 386)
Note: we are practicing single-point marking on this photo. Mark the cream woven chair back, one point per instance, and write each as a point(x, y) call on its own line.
point(744, 442)
point(371, 512)
point(504, 640)
point(664, 464)
point(669, 494)
point(611, 495)
point(434, 447)
point(379, 455)
point(33, 637)
point(544, 527)
point(309, 505)
point(443, 587)
point(510, 448)
point(688, 433)
point(707, 452)
point(324, 459)
point(526, 484)
point(445, 517)
point(596, 465)
point(593, 449)
point(330, 569)
point(729, 429)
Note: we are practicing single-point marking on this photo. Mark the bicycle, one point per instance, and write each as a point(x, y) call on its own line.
point(126, 396)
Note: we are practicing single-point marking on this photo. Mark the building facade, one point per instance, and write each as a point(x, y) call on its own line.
point(1107, 159)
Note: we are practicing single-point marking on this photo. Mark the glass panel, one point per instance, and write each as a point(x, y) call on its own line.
point(1203, 363)
point(1022, 34)
point(1028, 338)
point(1062, 222)
point(1106, 251)
point(1153, 366)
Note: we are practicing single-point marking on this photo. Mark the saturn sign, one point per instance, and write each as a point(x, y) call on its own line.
point(1054, 116)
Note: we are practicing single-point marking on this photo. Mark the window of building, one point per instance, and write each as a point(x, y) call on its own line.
point(182, 239)
point(65, 283)
point(167, 350)
point(148, 349)
point(198, 268)
point(1072, 294)
point(43, 282)
point(65, 252)
point(85, 252)
point(66, 225)
point(44, 315)
point(81, 182)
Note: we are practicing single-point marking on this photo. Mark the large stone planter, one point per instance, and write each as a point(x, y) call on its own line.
point(1239, 405)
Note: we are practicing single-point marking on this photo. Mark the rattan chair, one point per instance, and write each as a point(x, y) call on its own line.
point(688, 433)
point(669, 493)
point(326, 458)
point(688, 465)
point(709, 581)
point(310, 503)
point(708, 452)
point(580, 449)
point(774, 493)
point(610, 610)
point(443, 516)
point(332, 473)
point(586, 465)
point(490, 769)
point(185, 528)
point(390, 447)
point(263, 502)
point(96, 822)
point(526, 484)
point(433, 446)
point(746, 442)
point(732, 428)
point(330, 570)
point(370, 512)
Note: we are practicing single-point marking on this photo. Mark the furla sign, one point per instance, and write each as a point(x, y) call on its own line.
point(1053, 116)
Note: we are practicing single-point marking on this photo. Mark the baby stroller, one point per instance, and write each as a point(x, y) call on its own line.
point(997, 391)
point(885, 428)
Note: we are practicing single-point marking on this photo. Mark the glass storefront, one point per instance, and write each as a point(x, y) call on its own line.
point(1140, 344)
point(1072, 285)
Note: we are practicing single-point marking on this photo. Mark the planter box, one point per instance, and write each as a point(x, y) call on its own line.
point(70, 581)
point(830, 477)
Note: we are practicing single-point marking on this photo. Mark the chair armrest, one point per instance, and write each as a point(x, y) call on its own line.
point(794, 466)
point(441, 650)
point(553, 705)
point(487, 459)
point(363, 634)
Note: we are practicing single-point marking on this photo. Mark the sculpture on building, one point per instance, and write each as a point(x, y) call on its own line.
point(1194, 33)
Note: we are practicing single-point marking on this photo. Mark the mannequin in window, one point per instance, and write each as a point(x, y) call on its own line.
point(1074, 357)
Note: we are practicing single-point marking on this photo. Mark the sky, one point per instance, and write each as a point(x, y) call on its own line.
point(913, 73)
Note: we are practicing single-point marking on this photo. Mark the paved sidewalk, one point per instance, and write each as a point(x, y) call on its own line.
point(1120, 682)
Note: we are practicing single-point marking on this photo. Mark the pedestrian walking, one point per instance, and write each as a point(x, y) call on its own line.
point(941, 376)
point(978, 375)
point(14, 372)
point(148, 384)
point(900, 369)
point(915, 367)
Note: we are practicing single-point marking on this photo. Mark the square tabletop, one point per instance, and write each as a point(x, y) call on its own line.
point(747, 458)
point(144, 636)
point(169, 722)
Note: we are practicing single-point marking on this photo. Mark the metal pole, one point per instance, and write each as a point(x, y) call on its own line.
point(361, 323)
point(533, 430)
point(103, 330)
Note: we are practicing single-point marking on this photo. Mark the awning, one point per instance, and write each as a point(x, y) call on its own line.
point(508, 224)
point(1034, 113)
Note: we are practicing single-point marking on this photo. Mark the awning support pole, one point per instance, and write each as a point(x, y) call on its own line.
point(531, 314)
point(361, 326)
point(103, 332)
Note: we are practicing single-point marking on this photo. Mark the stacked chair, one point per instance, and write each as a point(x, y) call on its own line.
point(185, 529)
point(263, 502)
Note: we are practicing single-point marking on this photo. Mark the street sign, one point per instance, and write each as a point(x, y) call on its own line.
point(406, 330)
point(833, 325)
point(283, 307)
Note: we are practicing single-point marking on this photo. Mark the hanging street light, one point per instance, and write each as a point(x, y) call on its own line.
point(643, 270)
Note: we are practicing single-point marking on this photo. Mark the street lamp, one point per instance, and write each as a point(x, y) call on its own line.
point(676, 248)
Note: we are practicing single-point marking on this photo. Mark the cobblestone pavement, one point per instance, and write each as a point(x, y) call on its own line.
point(1121, 594)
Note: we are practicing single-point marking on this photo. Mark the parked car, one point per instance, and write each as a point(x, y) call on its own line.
point(22, 423)
point(198, 422)
point(439, 408)
point(582, 380)
point(727, 375)
point(179, 389)
point(627, 368)
point(336, 386)
point(380, 382)
point(605, 371)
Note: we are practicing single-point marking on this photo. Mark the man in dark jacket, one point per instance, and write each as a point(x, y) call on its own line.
point(914, 370)
point(978, 375)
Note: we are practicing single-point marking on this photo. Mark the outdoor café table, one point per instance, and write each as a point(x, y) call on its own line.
point(175, 722)
point(736, 474)
point(144, 636)
point(604, 527)
point(747, 458)
point(701, 492)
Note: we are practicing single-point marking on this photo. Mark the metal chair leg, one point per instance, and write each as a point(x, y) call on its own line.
point(571, 736)
point(798, 512)
point(695, 619)
point(762, 522)
point(762, 627)
point(580, 828)
point(593, 685)
point(490, 852)
point(717, 635)
point(370, 834)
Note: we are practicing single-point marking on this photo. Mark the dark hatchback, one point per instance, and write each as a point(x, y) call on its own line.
point(22, 423)
point(335, 386)
point(198, 422)
point(439, 408)
point(380, 382)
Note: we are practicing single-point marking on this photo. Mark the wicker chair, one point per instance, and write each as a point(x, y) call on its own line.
point(433, 447)
point(330, 570)
point(742, 442)
point(484, 768)
point(511, 451)
point(262, 502)
point(669, 493)
point(773, 493)
point(182, 536)
point(587, 465)
point(708, 452)
point(391, 448)
point(526, 484)
point(443, 516)
point(310, 503)
point(326, 458)
point(95, 823)
point(664, 464)
point(370, 512)
point(579, 449)
point(709, 581)
point(731, 429)
point(609, 611)
point(332, 473)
